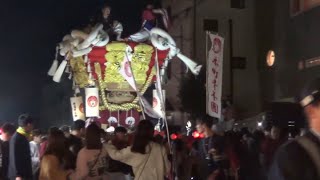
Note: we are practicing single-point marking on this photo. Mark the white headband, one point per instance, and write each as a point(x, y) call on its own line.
point(308, 99)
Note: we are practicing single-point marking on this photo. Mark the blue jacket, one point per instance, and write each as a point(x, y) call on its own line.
point(19, 157)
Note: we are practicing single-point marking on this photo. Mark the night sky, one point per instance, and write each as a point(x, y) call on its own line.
point(29, 32)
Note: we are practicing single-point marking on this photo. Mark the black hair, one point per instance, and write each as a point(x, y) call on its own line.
point(57, 146)
point(8, 128)
point(78, 125)
point(65, 129)
point(143, 136)
point(120, 129)
point(93, 135)
point(53, 129)
point(206, 120)
point(24, 120)
point(36, 132)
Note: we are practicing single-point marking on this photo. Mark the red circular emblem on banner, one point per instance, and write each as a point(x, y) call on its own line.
point(154, 102)
point(216, 45)
point(81, 108)
point(92, 101)
point(127, 69)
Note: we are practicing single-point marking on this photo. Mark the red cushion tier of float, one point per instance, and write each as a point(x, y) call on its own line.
point(98, 55)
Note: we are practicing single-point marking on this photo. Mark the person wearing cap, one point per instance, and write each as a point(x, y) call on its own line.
point(300, 158)
point(20, 155)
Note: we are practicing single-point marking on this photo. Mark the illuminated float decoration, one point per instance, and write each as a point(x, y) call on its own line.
point(94, 64)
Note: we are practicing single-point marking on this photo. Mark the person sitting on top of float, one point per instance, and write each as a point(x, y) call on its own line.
point(112, 27)
point(149, 21)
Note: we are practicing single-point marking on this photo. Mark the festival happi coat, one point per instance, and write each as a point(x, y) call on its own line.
point(116, 74)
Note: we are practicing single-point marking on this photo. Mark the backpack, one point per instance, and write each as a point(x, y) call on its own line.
point(312, 150)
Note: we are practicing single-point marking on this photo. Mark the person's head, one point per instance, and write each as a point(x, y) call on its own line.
point(52, 129)
point(245, 133)
point(44, 138)
point(56, 144)
point(143, 136)
point(267, 131)
point(26, 122)
point(149, 6)
point(120, 133)
point(36, 134)
point(275, 132)
point(7, 131)
point(258, 135)
point(204, 124)
point(78, 128)
point(66, 130)
point(310, 101)
point(93, 135)
point(106, 11)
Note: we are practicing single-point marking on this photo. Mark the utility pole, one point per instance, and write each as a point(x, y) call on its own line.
point(194, 28)
point(231, 57)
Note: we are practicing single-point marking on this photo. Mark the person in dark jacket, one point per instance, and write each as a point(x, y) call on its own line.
point(299, 159)
point(120, 141)
point(20, 157)
point(76, 138)
point(7, 132)
point(211, 149)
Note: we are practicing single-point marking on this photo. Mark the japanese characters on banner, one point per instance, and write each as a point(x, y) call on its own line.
point(92, 102)
point(77, 108)
point(214, 76)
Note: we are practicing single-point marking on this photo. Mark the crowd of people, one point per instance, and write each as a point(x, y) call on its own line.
point(87, 152)
point(272, 153)
point(81, 153)
point(232, 155)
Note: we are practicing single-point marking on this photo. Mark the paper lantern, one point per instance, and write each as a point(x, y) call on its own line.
point(77, 108)
point(92, 102)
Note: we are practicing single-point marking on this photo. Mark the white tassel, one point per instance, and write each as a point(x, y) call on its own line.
point(89, 68)
point(54, 65)
point(67, 70)
point(77, 91)
point(57, 76)
point(53, 68)
point(194, 67)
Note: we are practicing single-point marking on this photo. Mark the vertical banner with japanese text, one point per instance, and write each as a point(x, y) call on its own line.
point(77, 108)
point(214, 75)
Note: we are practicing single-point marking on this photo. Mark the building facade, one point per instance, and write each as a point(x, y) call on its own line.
point(188, 30)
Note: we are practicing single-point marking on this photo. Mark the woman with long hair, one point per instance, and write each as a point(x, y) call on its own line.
point(147, 158)
point(55, 163)
point(92, 159)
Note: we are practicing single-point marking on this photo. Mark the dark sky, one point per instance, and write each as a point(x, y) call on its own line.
point(29, 31)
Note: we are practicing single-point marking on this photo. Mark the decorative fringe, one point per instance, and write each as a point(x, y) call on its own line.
point(54, 65)
point(53, 68)
point(57, 76)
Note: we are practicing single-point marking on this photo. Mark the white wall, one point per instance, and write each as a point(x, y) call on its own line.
point(246, 86)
